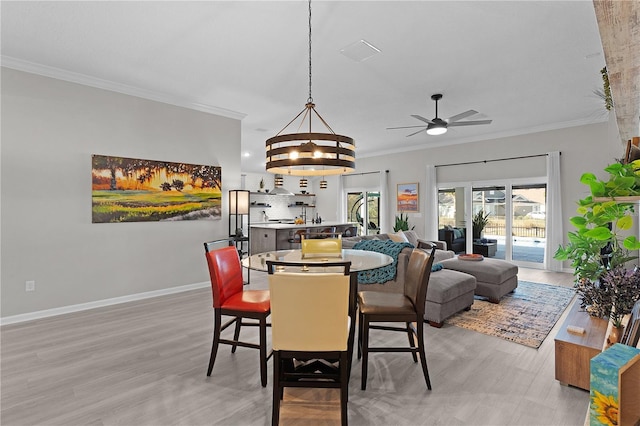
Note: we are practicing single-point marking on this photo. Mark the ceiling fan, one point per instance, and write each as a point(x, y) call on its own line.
point(438, 126)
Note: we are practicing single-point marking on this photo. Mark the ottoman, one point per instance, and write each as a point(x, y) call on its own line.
point(494, 277)
point(448, 292)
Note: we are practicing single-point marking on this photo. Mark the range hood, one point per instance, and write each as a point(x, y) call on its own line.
point(278, 190)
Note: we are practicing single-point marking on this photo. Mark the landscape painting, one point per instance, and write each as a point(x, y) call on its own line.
point(134, 190)
point(407, 197)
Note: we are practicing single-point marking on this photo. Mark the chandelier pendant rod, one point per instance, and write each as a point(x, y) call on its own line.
point(310, 99)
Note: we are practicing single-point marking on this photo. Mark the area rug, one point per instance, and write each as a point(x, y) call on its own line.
point(525, 316)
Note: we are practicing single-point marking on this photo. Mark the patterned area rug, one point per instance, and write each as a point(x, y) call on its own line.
point(525, 316)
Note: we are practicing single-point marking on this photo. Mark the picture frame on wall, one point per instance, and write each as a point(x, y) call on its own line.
point(407, 197)
point(137, 190)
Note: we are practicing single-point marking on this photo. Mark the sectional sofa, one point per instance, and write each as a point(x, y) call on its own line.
point(452, 288)
point(448, 292)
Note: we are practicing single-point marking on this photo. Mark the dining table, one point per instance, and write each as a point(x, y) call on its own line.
point(361, 260)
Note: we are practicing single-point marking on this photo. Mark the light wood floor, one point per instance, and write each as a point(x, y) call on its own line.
point(144, 363)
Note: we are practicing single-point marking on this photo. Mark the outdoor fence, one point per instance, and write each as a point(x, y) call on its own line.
point(534, 228)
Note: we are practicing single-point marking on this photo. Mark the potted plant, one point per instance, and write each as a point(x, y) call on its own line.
point(612, 296)
point(598, 249)
point(480, 221)
point(402, 223)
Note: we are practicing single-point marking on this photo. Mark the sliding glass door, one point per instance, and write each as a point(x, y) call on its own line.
point(516, 221)
point(363, 208)
point(529, 223)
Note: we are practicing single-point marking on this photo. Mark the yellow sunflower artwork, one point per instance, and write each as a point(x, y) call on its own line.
point(605, 408)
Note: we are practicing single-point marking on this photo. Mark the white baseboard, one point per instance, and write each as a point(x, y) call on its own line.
point(99, 303)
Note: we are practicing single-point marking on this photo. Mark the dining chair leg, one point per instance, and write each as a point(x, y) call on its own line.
point(236, 334)
point(412, 343)
point(365, 351)
point(344, 388)
point(277, 391)
point(263, 351)
point(423, 358)
point(217, 323)
point(360, 321)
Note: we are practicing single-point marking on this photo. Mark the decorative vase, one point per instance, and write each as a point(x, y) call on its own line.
point(615, 335)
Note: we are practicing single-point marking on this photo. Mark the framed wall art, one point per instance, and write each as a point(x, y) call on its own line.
point(135, 190)
point(407, 197)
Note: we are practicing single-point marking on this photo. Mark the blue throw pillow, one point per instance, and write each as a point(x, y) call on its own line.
point(457, 233)
point(436, 267)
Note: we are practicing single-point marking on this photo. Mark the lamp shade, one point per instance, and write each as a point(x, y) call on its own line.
point(238, 201)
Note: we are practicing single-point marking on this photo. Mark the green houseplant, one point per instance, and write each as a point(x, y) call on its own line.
point(402, 223)
point(479, 221)
point(598, 249)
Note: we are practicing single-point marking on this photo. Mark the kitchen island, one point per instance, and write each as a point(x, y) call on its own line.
point(276, 236)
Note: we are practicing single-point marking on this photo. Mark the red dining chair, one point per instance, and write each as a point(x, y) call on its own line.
point(230, 298)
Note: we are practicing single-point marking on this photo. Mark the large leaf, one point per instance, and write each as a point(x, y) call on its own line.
point(600, 233)
point(578, 221)
point(561, 254)
point(614, 168)
point(597, 189)
point(625, 222)
point(631, 243)
point(587, 178)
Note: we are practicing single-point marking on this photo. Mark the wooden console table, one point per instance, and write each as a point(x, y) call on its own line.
point(574, 351)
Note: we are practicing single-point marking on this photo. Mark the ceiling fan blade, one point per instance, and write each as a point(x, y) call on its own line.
point(404, 127)
point(469, 123)
point(462, 115)
point(419, 131)
point(422, 119)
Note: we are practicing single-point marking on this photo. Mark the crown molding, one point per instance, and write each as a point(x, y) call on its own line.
point(86, 80)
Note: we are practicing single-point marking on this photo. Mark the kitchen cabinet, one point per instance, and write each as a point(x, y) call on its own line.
point(276, 236)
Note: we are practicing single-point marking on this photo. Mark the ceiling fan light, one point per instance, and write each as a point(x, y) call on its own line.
point(436, 129)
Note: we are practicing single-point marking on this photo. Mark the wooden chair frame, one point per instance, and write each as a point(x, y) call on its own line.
point(414, 321)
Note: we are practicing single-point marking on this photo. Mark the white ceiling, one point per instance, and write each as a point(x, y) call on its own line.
point(528, 66)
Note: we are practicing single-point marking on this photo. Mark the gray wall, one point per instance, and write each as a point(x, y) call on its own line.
point(50, 129)
point(587, 148)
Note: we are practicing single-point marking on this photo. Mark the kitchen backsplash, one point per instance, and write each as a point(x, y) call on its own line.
point(279, 206)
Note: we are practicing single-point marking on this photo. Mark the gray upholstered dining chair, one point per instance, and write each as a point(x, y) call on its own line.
point(407, 308)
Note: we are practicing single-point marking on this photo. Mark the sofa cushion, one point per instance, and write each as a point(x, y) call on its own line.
point(446, 285)
point(349, 242)
point(493, 271)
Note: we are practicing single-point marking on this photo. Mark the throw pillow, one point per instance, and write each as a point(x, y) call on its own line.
point(457, 233)
point(398, 237)
point(412, 236)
